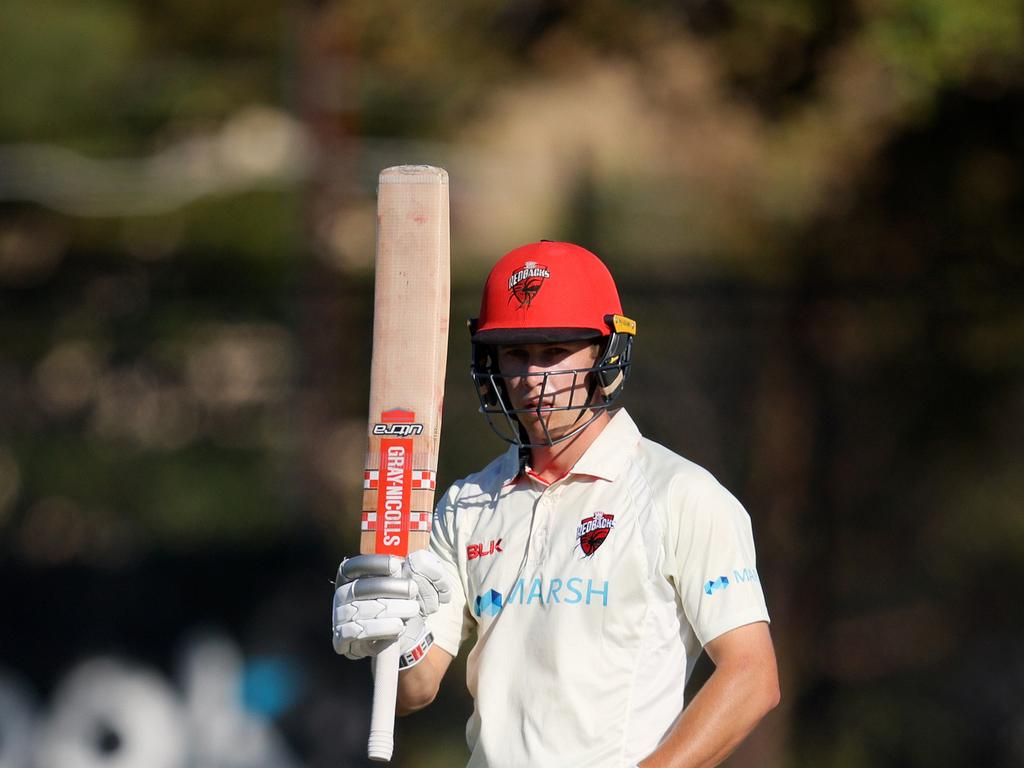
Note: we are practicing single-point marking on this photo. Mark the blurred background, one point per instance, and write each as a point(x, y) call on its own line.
point(813, 210)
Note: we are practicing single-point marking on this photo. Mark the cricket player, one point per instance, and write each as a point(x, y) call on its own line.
point(591, 565)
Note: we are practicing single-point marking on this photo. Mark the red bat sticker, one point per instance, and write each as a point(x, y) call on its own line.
point(393, 487)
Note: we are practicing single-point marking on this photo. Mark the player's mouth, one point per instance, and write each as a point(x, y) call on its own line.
point(539, 403)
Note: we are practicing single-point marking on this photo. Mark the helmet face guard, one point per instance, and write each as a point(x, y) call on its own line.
point(593, 390)
point(544, 293)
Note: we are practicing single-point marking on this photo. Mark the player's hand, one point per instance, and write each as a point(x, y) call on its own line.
point(380, 599)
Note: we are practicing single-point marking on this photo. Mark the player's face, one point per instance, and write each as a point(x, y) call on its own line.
point(547, 383)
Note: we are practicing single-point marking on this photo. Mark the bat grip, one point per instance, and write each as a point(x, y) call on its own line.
point(382, 718)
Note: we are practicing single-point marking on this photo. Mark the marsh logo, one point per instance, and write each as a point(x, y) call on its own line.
point(747, 574)
point(743, 576)
point(490, 603)
point(545, 592)
point(722, 582)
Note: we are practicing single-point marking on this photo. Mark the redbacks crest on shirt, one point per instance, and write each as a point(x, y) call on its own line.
point(592, 531)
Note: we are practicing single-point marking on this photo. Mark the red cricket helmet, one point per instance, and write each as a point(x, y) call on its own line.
point(547, 291)
point(550, 292)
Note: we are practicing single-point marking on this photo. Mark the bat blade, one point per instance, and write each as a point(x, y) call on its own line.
point(410, 344)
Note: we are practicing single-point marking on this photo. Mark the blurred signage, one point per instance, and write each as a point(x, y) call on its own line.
point(107, 711)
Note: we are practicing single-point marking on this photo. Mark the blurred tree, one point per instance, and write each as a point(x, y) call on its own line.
point(813, 210)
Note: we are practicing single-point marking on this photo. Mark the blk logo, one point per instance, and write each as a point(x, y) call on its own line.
point(473, 551)
point(489, 604)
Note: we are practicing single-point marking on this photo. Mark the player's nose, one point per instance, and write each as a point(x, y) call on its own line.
point(534, 368)
point(537, 375)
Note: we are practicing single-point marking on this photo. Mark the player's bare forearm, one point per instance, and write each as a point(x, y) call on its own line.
point(743, 688)
point(418, 685)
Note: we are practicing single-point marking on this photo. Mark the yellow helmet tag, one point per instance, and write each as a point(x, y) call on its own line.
point(623, 324)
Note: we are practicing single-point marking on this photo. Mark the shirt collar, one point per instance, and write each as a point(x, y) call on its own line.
point(511, 466)
point(604, 458)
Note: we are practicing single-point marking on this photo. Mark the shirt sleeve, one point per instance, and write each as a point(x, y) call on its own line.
point(711, 558)
point(451, 623)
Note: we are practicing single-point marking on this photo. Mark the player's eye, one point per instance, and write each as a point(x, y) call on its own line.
point(555, 355)
point(514, 355)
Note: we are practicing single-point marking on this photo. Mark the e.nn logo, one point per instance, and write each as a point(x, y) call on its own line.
point(722, 582)
point(397, 430)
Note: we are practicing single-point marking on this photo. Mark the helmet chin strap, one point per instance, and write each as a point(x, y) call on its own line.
point(591, 390)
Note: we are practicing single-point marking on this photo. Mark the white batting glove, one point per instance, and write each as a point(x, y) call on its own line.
point(381, 599)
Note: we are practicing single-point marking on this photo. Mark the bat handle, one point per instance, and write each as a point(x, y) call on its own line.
point(382, 718)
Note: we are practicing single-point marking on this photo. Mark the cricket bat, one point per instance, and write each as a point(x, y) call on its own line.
point(410, 347)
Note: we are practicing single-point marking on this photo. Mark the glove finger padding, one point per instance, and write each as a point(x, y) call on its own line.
point(387, 629)
point(364, 610)
point(360, 566)
point(365, 627)
point(427, 572)
point(376, 588)
point(374, 635)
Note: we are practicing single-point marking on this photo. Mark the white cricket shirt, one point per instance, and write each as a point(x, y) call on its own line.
point(591, 598)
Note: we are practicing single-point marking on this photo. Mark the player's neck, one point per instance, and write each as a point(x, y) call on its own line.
point(551, 463)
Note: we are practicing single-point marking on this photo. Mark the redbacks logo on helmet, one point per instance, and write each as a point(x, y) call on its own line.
point(525, 283)
point(592, 531)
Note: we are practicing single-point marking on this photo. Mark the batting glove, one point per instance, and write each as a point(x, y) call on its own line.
point(381, 599)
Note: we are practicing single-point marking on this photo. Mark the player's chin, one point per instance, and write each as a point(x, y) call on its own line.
point(546, 429)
